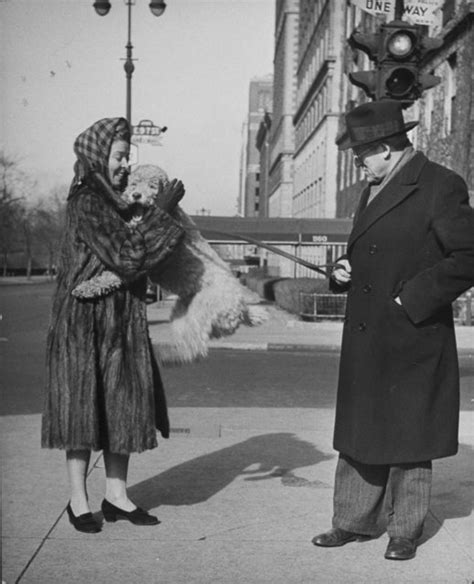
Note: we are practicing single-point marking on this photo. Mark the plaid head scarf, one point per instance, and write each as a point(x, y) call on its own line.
point(92, 147)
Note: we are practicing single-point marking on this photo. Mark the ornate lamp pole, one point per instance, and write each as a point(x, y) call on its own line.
point(102, 7)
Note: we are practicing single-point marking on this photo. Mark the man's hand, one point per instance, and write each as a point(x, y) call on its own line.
point(342, 274)
point(171, 196)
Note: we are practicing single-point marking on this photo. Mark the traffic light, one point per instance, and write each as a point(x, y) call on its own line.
point(397, 50)
point(369, 44)
point(401, 50)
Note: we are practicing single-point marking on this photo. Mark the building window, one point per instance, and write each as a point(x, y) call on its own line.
point(257, 176)
point(450, 105)
point(428, 110)
point(257, 192)
point(453, 113)
point(257, 205)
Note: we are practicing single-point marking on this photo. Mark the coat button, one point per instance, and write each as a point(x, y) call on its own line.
point(362, 326)
point(372, 249)
point(367, 288)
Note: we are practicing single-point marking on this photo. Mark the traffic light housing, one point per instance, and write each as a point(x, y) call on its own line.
point(366, 80)
point(401, 50)
point(369, 44)
point(397, 49)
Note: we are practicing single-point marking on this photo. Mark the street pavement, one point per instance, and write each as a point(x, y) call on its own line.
point(239, 492)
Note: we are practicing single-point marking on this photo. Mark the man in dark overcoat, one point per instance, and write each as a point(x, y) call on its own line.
point(409, 256)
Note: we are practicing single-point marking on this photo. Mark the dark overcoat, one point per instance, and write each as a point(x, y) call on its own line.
point(103, 387)
point(398, 391)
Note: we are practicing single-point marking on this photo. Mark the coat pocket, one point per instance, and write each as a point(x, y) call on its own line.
point(427, 327)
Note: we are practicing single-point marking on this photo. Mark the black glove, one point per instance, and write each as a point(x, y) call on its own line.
point(171, 195)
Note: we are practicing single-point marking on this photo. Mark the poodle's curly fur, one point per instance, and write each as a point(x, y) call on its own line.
point(210, 303)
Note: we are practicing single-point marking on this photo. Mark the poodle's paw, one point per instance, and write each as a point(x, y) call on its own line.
point(226, 323)
point(255, 315)
point(249, 296)
point(100, 285)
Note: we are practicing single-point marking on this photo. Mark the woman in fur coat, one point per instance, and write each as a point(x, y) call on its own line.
point(103, 388)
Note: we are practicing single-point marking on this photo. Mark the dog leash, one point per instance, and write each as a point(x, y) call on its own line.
point(320, 268)
point(315, 267)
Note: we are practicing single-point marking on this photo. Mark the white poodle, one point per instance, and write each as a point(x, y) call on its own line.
point(211, 301)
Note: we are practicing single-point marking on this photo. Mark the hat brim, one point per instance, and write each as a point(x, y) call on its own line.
point(344, 142)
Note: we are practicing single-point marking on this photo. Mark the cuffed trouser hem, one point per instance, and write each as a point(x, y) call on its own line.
point(362, 490)
point(359, 529)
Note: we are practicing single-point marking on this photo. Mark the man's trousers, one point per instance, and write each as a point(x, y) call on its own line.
point(363, 492)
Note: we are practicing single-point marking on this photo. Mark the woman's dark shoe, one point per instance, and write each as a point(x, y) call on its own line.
point(138, 516)
point(336, 537)
point(400, 548)
point(85, 522)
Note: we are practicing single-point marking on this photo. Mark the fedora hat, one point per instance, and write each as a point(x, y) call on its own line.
point(372, 122)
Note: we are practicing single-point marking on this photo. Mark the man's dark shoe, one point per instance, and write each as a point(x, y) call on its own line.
point(335, 537)
point(400, 548)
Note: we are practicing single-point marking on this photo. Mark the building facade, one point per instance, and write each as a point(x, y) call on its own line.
point(349, 178)
point(260, 101)
point(446, 112)
point(240, 204)
point(318, 106)
point(263, 146)
point(282, 139)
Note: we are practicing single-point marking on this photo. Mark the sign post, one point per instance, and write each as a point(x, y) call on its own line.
point(145, 132)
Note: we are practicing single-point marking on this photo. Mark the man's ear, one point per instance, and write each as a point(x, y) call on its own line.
point(387, 151)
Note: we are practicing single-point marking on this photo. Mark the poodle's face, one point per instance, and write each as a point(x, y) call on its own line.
point(145, 183)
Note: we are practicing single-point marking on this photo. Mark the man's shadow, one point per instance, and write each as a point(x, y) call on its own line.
point(453, 490)
point(274, 456)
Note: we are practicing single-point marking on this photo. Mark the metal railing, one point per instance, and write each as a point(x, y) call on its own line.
point(316, 306)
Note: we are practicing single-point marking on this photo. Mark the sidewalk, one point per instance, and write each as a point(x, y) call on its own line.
point(240, 492)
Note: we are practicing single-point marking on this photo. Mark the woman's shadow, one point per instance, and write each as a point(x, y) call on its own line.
point(274, 456)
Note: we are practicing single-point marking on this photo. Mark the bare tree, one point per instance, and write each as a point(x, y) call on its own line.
point(49, 221)
point(11, 208)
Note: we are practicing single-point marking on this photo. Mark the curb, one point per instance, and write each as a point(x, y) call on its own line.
point(275, 347)
point(303, 347)
point(6, 282)
point(243, 346)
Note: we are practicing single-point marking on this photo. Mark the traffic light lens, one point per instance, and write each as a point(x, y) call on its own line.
point(400, 45)
point(401, 82)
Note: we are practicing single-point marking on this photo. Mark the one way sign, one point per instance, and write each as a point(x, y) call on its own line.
point(424, 12)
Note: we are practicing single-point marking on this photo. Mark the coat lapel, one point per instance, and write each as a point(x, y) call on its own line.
point(399, 188)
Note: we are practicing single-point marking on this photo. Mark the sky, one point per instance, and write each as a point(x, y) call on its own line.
point(62, 70)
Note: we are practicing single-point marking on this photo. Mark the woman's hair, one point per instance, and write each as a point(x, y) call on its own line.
point(122, 131)
point(121, 134)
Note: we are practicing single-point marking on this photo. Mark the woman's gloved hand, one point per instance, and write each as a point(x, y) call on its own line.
point(171, 195)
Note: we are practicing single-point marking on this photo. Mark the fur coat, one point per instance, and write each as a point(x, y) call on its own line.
point(210, 301)
point(103, 387)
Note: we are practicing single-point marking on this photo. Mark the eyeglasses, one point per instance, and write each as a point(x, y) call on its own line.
point(358, 158)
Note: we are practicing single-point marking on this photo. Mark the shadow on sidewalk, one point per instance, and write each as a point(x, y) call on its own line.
point(274, 456)
point(453, 490)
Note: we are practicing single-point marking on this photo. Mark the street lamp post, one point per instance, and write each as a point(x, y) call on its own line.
point(102, 7)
